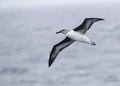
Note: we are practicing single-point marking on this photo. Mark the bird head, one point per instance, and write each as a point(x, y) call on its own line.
point(64, 31)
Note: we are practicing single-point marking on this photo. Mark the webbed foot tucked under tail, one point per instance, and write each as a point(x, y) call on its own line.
point(93, 43)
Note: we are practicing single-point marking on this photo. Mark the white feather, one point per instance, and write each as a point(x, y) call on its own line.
point(77, 36)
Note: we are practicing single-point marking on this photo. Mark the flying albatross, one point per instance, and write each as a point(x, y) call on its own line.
point(72, 35)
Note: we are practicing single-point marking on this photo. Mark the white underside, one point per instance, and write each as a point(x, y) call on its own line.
point(77, 36)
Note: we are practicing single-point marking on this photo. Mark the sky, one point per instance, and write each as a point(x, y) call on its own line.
point(22, 3)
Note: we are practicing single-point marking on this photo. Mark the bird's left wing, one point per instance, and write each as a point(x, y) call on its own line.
point(59, 47)
point(87, 23)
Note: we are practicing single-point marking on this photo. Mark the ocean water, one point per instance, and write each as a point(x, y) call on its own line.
point(28, 35)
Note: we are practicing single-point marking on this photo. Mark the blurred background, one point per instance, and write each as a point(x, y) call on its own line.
point(27, 35)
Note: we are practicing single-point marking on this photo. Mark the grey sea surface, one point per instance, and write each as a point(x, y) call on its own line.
point(28, 35)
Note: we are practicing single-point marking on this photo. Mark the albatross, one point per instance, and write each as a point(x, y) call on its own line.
point(72, 35)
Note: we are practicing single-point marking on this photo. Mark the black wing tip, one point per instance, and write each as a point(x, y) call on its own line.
point(49, 64)
point(99, 19)
point(95, 18)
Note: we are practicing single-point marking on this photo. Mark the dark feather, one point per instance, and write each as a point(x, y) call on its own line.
point(87, 23)
point(59, 47)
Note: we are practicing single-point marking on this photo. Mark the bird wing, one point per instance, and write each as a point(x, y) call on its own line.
point(87, 23)
point(59, 47)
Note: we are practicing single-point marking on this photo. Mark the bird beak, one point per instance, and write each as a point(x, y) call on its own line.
point(58, 32)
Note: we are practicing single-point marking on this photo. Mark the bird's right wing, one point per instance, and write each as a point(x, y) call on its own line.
point(59, 47)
